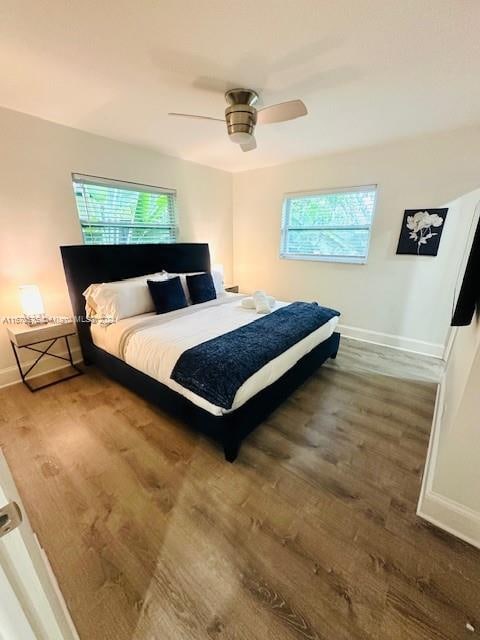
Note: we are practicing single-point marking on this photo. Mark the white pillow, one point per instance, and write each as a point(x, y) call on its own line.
point(158, 276)
point(217, 278)
point(112, 301)
point(218, 283)
point(90, 306)
point(109, 299)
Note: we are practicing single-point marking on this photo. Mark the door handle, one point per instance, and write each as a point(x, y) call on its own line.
point(10, 518)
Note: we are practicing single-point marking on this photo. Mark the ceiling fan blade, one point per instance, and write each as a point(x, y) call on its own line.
point(281, 112)
point(191, 115)
point(249, 146)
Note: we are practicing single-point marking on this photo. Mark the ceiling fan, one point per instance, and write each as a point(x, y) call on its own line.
point(241, 115)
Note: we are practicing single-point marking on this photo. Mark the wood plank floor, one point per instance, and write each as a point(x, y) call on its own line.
point(355, 355)
point(311, 534)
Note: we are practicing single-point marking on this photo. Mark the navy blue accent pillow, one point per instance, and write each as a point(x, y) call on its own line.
point(201, 288)
point(167, 295)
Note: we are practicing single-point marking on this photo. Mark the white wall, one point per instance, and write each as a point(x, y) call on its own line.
point(399, 300)
point(38, 213)
point(451, 490)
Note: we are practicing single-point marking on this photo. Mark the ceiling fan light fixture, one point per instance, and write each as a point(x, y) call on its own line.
point(241, 120)
point(241, 137)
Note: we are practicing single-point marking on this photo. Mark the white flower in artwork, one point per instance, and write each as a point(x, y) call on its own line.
point(420, 226)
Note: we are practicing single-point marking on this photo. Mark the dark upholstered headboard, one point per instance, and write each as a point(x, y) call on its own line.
point(86, 264)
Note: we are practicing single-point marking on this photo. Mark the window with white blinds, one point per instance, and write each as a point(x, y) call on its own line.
point(117, 212)
point(331, 225)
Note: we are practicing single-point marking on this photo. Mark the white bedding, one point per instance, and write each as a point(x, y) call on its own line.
point(153, 343)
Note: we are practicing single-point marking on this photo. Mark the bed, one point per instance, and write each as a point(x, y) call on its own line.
point(140, 352)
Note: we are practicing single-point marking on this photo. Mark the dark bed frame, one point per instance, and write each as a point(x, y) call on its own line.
point(104, 263)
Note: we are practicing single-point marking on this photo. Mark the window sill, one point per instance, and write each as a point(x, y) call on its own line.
point(324, 259)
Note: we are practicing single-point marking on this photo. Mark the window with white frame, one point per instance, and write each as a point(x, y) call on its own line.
point(332, 225)
point(117, 212)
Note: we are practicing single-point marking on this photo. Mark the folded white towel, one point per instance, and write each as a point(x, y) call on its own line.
point(261, 302)
point(249, 303)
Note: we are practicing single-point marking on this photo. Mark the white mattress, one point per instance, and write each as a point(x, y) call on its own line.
point(153, 343)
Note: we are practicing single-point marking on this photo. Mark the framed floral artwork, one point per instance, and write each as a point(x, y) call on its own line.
point(421, 231)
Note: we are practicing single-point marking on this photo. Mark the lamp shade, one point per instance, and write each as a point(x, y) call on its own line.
point(31, 300)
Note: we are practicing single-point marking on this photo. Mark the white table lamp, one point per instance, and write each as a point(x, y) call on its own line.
point(32, 304)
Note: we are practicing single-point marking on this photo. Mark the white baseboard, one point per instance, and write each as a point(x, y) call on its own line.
point(10, 375)
point(393, 341)
point(460, 521)
point(443, 512)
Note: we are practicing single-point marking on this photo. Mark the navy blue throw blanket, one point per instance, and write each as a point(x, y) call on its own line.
point(216, 369)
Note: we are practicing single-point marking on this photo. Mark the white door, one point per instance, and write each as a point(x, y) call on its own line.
point(31, 605)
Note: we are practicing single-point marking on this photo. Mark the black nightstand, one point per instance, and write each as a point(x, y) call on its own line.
point(232, 289)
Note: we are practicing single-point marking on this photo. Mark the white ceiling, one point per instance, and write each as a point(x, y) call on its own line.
point(368, 70)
